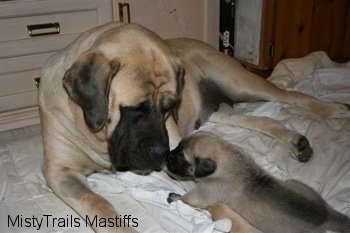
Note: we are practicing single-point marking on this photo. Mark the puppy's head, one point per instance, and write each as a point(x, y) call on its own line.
point(195, 157)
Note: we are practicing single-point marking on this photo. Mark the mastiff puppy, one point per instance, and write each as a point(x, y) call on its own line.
point(252, 199)
point(119, 97)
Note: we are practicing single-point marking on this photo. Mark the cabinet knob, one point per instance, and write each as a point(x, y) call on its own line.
point(43, 29)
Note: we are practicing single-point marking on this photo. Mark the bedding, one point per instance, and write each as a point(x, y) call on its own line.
point(28, 205)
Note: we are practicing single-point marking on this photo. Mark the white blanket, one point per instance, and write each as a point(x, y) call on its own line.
point(24, 194)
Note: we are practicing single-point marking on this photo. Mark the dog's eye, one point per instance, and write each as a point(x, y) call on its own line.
point(169, 105)
point(142, 107)
point(138, 110)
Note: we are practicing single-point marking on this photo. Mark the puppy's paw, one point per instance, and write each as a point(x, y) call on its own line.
point(173, 197)
point(300, 148)
point(304, 149)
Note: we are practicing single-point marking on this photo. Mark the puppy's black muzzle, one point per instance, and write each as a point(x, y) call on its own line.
point(176, 162)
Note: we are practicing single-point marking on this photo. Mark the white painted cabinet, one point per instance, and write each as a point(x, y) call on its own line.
point(32, 30)
point(198, 19)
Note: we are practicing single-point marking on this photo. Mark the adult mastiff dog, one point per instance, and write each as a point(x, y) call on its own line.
point(119, 95)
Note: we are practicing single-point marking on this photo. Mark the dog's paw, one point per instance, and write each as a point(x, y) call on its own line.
point(336, 110)
point(173, 197)
point(340, 111)
point(301, 148)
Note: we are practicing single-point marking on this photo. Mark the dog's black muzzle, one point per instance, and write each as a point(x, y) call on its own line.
point(140, 141)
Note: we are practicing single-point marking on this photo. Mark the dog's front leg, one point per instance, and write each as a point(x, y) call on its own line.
point(71, 187)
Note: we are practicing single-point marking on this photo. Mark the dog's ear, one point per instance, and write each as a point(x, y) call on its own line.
point(204, 167)
point(180, 83)
point(180, 80)
point(87, 83)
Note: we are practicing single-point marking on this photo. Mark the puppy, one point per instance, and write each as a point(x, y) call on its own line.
point(225, 174)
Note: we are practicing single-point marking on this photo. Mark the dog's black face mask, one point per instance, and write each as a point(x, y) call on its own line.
point(140, 141)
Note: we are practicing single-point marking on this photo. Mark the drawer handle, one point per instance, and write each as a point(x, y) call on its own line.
point(43, 29)
point(37, 81)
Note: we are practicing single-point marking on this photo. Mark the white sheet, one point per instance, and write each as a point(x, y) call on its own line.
point(23, 191)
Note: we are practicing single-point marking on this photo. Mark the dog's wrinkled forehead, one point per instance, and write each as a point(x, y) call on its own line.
point(148, 79)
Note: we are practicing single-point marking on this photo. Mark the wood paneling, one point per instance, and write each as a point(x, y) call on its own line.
point(267, 33)
point(304, 26)
point(292, 26)
point(295, 28)
point(346, 44)
point(328, 22)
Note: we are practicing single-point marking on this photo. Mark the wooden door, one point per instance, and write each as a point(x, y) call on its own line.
point(304, 26)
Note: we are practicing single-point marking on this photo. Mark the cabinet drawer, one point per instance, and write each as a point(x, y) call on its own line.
point(27, 27)
point(35, 46)
point(17, 74)
point(19, 82)
point(18, 101)
point(18, 90)
point(40, 26)
point(21, 36)
point(22, 63)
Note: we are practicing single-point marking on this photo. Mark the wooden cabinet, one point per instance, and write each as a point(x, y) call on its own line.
point(32, 30)
point(268, 31)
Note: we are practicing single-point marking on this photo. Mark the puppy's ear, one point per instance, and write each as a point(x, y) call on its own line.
point(87, 83)
point(204, 167)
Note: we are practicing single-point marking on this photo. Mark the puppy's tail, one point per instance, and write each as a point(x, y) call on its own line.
point(338, 222)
